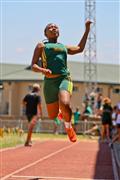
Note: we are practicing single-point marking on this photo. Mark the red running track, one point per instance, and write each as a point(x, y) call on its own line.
point(57, 160)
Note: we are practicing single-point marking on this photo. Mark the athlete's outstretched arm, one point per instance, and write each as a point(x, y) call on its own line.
point(80, 47)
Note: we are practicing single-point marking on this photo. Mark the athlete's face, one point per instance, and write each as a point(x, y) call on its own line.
point(51, 31)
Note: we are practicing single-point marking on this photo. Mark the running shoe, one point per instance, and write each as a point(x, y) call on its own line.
point(28, 144)
point(71, 134)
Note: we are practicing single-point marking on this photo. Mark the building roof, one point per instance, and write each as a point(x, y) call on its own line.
point(106, 73)
point(18, 72)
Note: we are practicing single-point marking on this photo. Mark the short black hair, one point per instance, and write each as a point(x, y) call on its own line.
point(47, 27)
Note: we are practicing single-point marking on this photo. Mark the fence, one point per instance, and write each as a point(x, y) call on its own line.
point(47, 126)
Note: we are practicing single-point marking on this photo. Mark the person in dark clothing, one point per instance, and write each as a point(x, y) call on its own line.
point(106, 118)
point(32, 104)
point(98, 103)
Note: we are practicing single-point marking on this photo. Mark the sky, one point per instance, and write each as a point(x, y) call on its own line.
point(23, 22)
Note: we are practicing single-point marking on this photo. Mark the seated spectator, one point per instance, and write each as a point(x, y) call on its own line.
point(87, 110)
point(94, 130)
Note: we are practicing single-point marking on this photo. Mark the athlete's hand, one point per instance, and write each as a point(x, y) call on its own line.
point(46, 71)
point(87, 24)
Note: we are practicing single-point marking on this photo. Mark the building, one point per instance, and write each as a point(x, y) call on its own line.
point(17, 80)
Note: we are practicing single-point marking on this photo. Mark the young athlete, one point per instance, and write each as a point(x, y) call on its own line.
point(57, 81)
point(32, 104)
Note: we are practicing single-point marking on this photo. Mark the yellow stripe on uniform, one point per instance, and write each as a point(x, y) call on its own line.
point(70, 87)
point(44, 61)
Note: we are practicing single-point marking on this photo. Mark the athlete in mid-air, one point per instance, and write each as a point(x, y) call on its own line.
point(57, 82)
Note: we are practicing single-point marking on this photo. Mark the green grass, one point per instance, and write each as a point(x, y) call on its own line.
point(13, 140)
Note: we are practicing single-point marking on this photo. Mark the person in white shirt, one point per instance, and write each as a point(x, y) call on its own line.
point(117, 136)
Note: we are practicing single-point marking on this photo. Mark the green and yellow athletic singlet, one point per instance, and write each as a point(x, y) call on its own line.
point(54, 57)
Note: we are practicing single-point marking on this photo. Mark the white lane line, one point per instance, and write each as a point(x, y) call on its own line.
point(56, 178)
point(42, 159)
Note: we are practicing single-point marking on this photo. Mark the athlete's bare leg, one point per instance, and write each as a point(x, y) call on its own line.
point(64, 102)
point(53, 109)
point(30, 129)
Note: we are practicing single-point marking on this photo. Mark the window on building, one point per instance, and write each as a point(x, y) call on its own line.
point(116, 91)
point(99, 89)
point(30, 87)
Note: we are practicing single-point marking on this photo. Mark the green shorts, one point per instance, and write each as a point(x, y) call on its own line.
point(52, 86)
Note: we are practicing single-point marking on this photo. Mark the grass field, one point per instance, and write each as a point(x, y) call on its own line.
point(12, 140)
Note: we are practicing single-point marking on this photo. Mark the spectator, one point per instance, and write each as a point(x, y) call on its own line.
point(106, 119)
point(76, 118)
point(92, 101)
point(87, 110)
point(114, 116)
point(117, 135)
point(32, 104)
point(86, 98)
point(94, 130)
point(98, 103)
